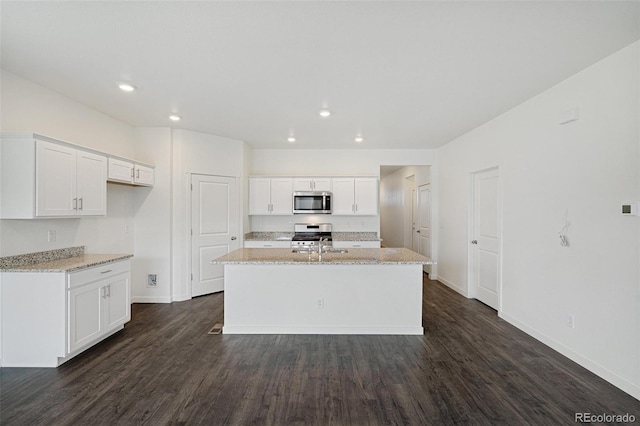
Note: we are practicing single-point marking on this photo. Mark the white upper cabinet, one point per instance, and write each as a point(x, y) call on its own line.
point(91, 184)
point(312, 184)
point(342, 196)
point(355, 196)
point(70, 182)
point(270, 196)
point(45, 179)
point(129, 172)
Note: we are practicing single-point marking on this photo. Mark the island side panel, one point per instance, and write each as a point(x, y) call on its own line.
point(323, 299)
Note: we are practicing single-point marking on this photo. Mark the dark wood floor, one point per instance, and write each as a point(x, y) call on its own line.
point(163, 368)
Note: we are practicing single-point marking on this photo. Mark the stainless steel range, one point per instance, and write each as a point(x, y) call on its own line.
point(308, 235)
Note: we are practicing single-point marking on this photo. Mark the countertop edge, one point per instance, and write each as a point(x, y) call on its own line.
point(69, 265)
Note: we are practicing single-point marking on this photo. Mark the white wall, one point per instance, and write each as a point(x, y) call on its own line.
point(28, 107)
point(194, 152)
point(395, 208)
point(152, 210)
point(329, 162)
point(584, 169)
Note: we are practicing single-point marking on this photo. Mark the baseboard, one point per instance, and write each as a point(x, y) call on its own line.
point(260, 329)
point(150, 299)
point(452, 286)
point(595, 368)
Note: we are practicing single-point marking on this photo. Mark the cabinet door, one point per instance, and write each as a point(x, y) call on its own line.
point(259, 196)
point(120, 171)
point(302, 184)
point(55, 180)
point(85, 315)
point(322, 184)
point(91, 184)
point(143, 175)
point(366, 196)
point(342, 200)
point(117, 308)
point(282, 196)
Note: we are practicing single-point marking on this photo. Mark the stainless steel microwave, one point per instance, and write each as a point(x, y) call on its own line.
point(312, 202)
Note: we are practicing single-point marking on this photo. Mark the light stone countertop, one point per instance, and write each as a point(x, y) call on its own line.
point(68, 264)
point(354, 256)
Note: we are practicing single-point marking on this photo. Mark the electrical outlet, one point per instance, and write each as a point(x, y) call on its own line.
point(571, 321)
point(320, 303)
point(152, 280)
point(51, 236)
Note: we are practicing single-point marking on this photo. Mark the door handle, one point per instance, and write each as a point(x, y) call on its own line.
point(418, 231)
point(233, 238)
point(474, 241)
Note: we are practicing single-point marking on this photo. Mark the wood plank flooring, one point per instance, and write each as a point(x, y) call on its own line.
point(470, 367)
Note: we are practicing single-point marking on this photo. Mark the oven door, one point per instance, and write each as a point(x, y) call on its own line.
point(312, 202)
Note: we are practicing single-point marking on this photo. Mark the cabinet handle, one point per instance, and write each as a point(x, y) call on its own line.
point(356, 207)
point(109, 290)
point(138, 174)
point(107, 271)
point(81, 203)
point(104, 292)
point(75, 204)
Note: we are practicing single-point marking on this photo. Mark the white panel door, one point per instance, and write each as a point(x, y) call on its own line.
point(214, 221)
point(485, 256)
point(91, 184)
point(56, 180)
point(120, 170)
point(143, 175)
point(423, 225)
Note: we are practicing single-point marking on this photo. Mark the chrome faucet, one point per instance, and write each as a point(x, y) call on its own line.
point(320, 247)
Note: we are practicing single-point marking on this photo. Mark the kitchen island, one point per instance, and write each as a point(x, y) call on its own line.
point(360, 291)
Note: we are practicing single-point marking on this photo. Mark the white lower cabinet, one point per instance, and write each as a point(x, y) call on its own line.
point(356, 244)
point(97, 308)
point(267, 244)
point(66, 313)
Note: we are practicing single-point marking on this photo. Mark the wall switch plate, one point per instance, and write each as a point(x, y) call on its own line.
point(630, 209)
point(571, 321)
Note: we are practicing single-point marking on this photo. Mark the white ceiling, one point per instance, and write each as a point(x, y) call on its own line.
point(403, 74)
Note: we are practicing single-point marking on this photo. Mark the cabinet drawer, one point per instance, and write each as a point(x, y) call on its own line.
point(267, 244)
point(356, 244)
point(98, 273)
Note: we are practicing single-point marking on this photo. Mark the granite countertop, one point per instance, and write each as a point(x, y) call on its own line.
point(336, 236)
point(61, 260)
point(354, 256)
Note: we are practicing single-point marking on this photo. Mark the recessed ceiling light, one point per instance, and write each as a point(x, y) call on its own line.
point(174, 117)
point(359, 139)
point(324, 113)
point(125, 87)
point(291, 139)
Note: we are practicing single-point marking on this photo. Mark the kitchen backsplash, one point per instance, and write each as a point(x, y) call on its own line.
point(340, 223)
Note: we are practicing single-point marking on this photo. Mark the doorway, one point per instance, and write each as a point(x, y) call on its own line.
point(485, 257)
point(214, 229)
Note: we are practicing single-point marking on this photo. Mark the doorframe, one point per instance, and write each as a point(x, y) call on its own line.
point(189, 222)
point(470, 228)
